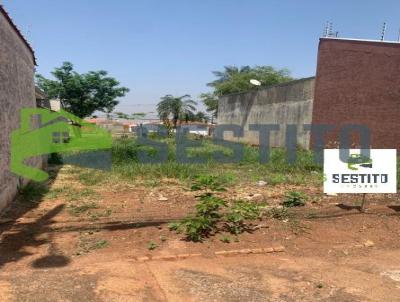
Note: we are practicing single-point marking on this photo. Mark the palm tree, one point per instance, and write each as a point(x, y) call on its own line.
point(227, 74)
point(176, 107)
point(237, 79)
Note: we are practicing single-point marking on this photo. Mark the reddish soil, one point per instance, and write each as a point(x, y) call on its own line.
point(332, 251)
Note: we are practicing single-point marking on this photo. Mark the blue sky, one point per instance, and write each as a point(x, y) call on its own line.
point(158, 47)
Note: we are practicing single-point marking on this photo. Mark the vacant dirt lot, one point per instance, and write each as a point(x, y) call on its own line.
point(87, 241)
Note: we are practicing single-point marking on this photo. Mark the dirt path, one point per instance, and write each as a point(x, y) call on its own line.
point(65, 248)
point(280, 277)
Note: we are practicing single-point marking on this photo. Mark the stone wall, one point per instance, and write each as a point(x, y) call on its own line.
point(288, 103)
point(17, 90)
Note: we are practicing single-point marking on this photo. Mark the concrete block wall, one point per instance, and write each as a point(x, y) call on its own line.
point(287, 103)
point(17, 90)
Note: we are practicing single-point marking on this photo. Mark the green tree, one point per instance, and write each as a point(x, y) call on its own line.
point(210, 100)
point(121, 115)
point(178, 108)
point(137, 115)
point(234, 79)
point(82, 94)
point(200, 116)
point(132, 116)
point(194, 117)
point(188, 117)
point(109, 111)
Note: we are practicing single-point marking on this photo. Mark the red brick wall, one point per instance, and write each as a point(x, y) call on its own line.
point(358, 82)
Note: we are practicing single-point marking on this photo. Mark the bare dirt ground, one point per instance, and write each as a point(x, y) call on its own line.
point(52, 250)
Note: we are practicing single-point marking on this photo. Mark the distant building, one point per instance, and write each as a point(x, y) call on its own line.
point(42, 100)
point(149, 127)
point(55, 105)
point(198, 128)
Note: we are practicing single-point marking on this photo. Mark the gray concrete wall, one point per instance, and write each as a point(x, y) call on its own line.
point(17, 90)
point(288, 103)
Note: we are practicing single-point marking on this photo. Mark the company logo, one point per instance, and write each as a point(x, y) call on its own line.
point(358, 160)
point(375, 173)
point(44, 132)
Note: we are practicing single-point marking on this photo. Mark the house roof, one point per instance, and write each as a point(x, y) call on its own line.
point(10, 21)
point(40, 95)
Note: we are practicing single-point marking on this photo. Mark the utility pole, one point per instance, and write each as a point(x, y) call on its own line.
point(383, 31)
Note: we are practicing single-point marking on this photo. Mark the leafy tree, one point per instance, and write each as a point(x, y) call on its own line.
point(234, 79)
point(82, 94)
point(109, 111)
point(194, 117)
point(137, 115)
point(176, 107)
point(122, 115)
point(131, 116)
point(188, 117)
point(210, 100)
point(200, 116)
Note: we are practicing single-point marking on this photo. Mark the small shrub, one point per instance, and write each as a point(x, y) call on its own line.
point(174, 226)
point(100, 244)
point(76, 195)
point(208, 209)
point(225, 239)
point(77, 210)
point(276, 178)
point(209, 212)
point(94, 216)
point(55, 192)
point(279, 213)
point(152, 183)
point(90, 178)
point(209, 206)
point(294, 199)
point(55, 159)
point(33, 192)
point(88, 244)
point(152, 245)
point(197, 228)
point(238, 213)
point(70, 193)
point(207, 183)
point(97, 215)
point(124, 150)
